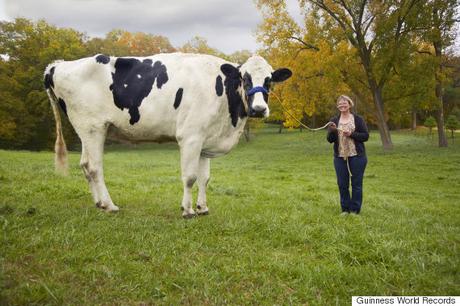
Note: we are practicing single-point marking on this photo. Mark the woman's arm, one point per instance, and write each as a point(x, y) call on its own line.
point(361, 133)
point(332, 132)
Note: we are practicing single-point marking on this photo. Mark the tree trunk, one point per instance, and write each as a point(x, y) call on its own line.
point(281, 127)
point(442, 139)
point(376, 90)
point(414, 119)
point(382, 124)
point(246, 132)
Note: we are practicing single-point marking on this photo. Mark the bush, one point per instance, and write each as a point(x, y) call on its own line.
point(452, 124)
point(430, 123)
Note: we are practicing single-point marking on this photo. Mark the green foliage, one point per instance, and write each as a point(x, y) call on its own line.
point(24, 104)
point(274, 235)
point(123, 43)
point(200, 45)
point(239, 57)
point(452, 124)
point(430, 122)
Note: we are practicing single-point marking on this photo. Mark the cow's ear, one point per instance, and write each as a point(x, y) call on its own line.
point(281, 75)
point(230, 71)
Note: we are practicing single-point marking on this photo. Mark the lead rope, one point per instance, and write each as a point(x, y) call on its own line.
point(298, 121)
point(308, 128)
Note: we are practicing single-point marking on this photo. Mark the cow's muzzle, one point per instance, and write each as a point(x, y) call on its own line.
point(258, 112)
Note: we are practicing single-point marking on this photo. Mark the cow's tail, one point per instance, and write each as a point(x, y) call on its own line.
point(60, 148)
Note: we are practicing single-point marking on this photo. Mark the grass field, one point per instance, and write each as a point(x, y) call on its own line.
point(274, 234)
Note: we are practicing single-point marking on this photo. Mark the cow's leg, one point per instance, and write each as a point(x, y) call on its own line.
point(92, 156)
point(84, 164)
point(202, 181)
point(189, 155)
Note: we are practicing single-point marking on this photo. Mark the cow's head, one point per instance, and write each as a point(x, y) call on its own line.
point(258, 75)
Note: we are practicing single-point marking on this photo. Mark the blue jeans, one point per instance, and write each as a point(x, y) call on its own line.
point(357, 166)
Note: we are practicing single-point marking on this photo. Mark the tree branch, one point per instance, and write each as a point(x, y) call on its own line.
point(371, 19)
point(307, 45)
point(346, 76)
point(361, 11)
point(424, 52)
point(343, 23)
point(404, 96)
point(319, 74)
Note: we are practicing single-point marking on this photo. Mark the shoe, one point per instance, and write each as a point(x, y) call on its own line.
point(355, 214)
point(344, 213)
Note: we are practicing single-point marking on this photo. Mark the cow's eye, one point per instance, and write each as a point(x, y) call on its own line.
point(267, 83)
point(247, 81)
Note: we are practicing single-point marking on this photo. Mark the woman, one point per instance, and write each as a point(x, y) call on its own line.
point(348, 132)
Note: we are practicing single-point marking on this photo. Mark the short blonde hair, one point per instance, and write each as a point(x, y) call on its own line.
point(346, 98)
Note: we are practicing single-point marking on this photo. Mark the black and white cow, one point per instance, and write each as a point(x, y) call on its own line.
point(200, 101)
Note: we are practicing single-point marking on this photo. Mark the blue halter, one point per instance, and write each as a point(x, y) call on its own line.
point(256, 89)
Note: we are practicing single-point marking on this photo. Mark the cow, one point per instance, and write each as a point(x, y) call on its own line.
point(202, 102)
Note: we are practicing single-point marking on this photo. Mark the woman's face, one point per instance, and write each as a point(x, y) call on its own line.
point(343, 106)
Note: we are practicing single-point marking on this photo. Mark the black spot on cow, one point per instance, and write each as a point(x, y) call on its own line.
point(267, 87)
point(102, 59)
point(219, 86)
point(178, 99)
point(247, 84)
point(49, 79)
point(62, 105)
point(162, 76)
point(132, 82)
point(232, 82)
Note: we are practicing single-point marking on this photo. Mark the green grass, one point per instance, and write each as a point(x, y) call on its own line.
point(274, 234)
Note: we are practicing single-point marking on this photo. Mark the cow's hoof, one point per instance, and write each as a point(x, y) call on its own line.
point(111, 208)
point(202, 210)
point(99, 204)
point(188, 216)
point(203, 213)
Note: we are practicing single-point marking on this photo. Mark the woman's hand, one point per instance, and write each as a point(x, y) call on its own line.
point(332, 127)
point(347, 133)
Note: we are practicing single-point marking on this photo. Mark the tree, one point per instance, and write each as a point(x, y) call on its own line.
point(200, 45)
point(30, 47)
point(378, 30)
point(240, 57)
point(439, 17)
point(451, 97)
point(430, 123)
point(358, 47)
point(410, 89)
point(452, 124)
point(123, 43)
point(312, 56)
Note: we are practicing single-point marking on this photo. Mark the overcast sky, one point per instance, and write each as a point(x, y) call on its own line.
point(228, 25)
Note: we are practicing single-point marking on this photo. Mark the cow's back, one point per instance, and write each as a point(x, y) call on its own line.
point(142, 98)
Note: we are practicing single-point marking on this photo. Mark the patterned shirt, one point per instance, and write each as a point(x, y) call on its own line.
point(347, 146)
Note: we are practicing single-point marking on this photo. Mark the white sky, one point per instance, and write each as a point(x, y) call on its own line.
point(228, 25)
